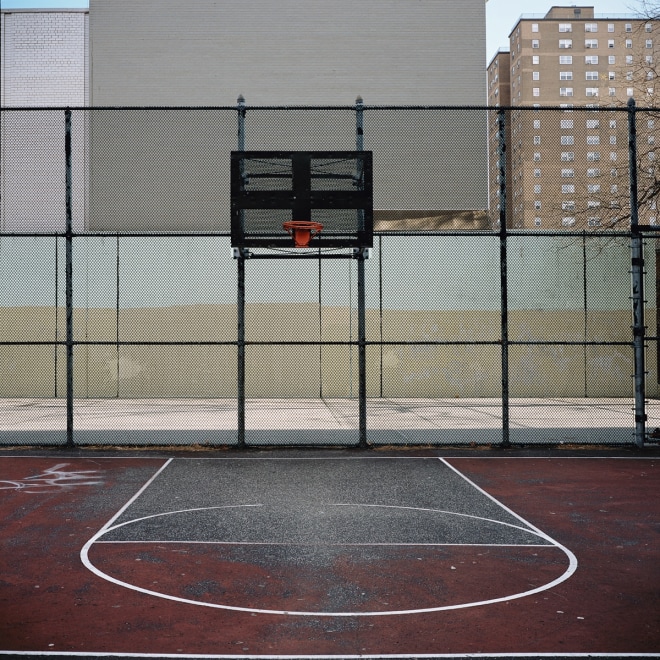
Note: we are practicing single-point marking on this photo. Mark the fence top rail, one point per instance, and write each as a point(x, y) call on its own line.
point(353, 107)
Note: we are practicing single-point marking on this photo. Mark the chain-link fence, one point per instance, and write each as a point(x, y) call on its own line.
point(509, 297)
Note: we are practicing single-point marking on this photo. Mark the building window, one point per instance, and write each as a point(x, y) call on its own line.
point(611, 59)
point(610, 27)
point(565, 43)
point(536, 59)
point(612, 123)
point(593, 172)
point(591, 43)
point(593, 156)
point(568, 188)
point(568, 206)
point(537, 189)
point(593, 123)
point(535, 27)
point(630, 91)
point(612, 139)
point(536, 75)
point(567, 173)
point(535, 43)
point(565, 75)
point(565, 91)
point(592, 91)
point(629, 59)
point(591, 75)
point(593, 139)
point(649, 59)
point(567, 139)
point(565, 27)
point(591, 59)
point(593, 222)
point(649, 43)
point(628, 27)
point(613, 156)
point(537, 123)
point(537, 221)
point(537, 173)
point(591, 27)
point(566, 123)
point(537, 205)
point(649, 140)
point(537, 139)
point(610, 43)
point(567, 156)
point(628, 43)
point(648, 27)
point(611, 91)
point(568, 221)
point(537, 156)
point(650, 123)
point(536, 91)
point(565, 59)
point(614, 189)
point(593, 188)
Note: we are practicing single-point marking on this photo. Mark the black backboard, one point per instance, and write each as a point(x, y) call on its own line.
point(332, 188)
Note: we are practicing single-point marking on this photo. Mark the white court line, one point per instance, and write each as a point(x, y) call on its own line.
point(396, 656)
point(529, 528)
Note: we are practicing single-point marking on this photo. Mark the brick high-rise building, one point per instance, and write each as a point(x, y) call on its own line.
point(567, 167)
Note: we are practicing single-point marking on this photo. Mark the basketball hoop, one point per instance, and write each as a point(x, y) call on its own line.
point(302, 231)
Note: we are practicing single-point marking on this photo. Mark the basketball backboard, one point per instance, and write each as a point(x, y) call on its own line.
point(332, 189)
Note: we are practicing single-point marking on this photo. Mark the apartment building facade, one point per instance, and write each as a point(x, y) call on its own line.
point(567, 79)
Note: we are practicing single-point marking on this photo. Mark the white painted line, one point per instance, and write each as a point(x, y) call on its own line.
point(529, 529)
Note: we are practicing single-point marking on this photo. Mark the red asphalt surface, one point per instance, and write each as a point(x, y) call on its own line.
point(604, 510)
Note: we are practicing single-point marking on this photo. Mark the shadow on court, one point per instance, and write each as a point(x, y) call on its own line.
point(344, 553)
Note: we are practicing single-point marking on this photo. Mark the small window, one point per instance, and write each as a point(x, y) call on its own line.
point(567, 139)
point(535, 43)
point(591, 75)
point(612, 139)
point(563, 43)
point(650, 123)
point(649, 43)
point(537, 221)
point(630, 92)
point(565, 91)
point(593, 139)
point(567, 173)
point(537, 189)
point(566, 123)
point(648, 27)
point(536, 91)
point(565, 27)
point(536, 75)
point(612, 123)
point(536, 59)
point(593, 172)
point(611, 91)
point(565, 75)
point(535, 27)
point(610, 27)
point(629, 59)
point(537, 156)
point(568, 188)
point(567, 156)
point(610, 43)
point(565, 59)
point(591, 27)
point(537, 139)
point(591, 43)
point(591, 59)
point(592, 91)
point(593, 156)
point(593, 123)
point(628, 27)
point(537, 173)
point(568, 205)
point(628, 43)
point(649, 59)
point(568, 221)
point(593, 222)
point(537, 205)
point(593, 188)
point(613, 156)
point(611, 59)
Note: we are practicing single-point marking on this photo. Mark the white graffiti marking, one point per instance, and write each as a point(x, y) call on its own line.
point(53, 480)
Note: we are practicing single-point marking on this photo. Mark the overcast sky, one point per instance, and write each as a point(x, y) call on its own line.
point(501, 15)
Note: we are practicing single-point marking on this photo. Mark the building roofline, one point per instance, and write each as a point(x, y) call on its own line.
point(46, 10)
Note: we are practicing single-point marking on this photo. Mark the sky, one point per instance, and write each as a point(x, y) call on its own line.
point(501, 15)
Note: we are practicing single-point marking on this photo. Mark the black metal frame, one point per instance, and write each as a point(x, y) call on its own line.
point(300, 198)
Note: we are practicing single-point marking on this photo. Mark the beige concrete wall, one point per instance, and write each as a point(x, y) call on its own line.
point(291, 371)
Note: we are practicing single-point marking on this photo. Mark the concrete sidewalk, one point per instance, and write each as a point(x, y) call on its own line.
point(320, 421)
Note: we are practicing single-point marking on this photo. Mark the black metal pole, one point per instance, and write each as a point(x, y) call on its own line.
point(240, 311)
point(637, 284)
point(504, 302)
point(69, 277)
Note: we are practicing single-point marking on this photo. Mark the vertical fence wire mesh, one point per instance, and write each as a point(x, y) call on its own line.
point(154, 284)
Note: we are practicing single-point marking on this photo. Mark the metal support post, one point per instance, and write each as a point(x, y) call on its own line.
point(69, 276)
point(362, 350)
point(637, 284)
point(501, 134)
point(240, 313)
point(361, 293)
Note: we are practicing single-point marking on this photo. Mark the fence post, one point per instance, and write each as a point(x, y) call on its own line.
point(68, 276)
point(240, 306)
point(362, 325)
point(504, 302)
point(637, 288)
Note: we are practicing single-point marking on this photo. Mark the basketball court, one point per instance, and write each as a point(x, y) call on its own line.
point(342, 553)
